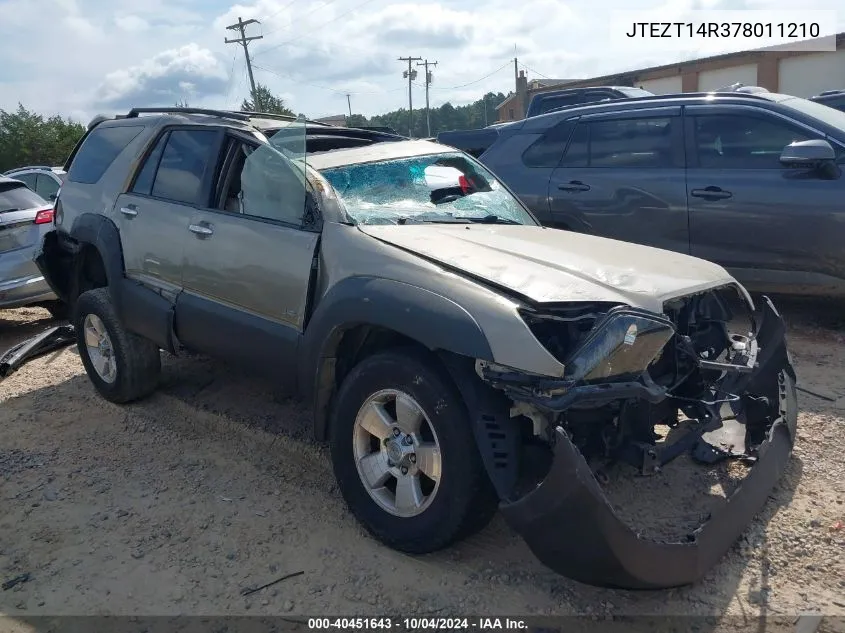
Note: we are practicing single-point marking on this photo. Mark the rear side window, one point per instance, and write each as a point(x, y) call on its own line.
point(631, 143)
point(548, 149)
point(99, 150)
point(183, 164)
point(18, 198)
point(621, 143)
point(46, 187)
point(29, 180)
point(551, 103)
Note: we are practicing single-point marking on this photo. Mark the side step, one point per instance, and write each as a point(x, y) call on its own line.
point(49, 340)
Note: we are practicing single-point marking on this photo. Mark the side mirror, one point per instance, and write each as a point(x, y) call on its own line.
point(810, 154)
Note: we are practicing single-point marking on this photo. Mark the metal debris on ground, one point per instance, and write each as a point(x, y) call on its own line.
point(247, 592)
point(17, 580)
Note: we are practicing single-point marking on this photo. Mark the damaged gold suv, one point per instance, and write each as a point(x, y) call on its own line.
point(459, 356)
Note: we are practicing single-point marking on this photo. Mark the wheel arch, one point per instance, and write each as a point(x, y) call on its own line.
point(362, 315)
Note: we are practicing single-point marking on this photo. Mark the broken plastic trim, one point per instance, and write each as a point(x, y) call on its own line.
point(572, 528)
point(52, 339)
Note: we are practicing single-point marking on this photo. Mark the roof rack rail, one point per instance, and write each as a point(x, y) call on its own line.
point(237, 116)
point(27, 167)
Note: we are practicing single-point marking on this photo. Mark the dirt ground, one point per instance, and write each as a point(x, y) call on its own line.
point(177, 504)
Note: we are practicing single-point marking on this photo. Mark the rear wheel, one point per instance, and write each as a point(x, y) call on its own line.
point(404, 454)
point(122, 365)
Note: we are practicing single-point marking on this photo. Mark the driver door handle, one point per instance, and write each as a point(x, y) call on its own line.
point(574, 185)
point(129, 211)
point(199, 229)
point(711, 193)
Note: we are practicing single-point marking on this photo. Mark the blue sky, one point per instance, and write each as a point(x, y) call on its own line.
point(81, 57)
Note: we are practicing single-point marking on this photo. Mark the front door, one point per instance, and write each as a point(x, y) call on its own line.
point(769, 225)
point(249, 261)
point(622, 177)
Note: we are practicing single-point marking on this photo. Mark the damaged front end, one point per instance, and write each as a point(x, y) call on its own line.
point(715, 376)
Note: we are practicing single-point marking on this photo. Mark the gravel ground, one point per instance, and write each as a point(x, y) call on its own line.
point(176, 504)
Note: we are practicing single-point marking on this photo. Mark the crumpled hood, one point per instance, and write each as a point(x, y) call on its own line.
point(548, 265)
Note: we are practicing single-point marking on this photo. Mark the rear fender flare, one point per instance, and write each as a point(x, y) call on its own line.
point(101, 233)
point(432, 320)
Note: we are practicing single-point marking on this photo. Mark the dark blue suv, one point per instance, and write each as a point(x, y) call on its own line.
point(750, 181)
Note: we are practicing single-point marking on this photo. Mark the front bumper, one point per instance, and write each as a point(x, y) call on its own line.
point(572, 528)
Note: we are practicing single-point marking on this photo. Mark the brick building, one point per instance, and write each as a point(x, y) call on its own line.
point(795, 72)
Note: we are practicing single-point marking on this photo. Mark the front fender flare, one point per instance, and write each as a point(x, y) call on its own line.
point(432, 320)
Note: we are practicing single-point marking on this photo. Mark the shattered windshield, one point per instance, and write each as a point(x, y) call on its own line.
point(431, 188)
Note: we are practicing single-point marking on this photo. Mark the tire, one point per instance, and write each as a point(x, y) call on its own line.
point(135, 360)
point(59, 310)
point(462, 502)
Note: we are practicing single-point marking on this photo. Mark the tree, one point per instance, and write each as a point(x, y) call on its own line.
point(27, 138)
point(444, 118)
point(265, 101)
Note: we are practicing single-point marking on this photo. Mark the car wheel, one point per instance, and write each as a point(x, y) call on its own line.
point(122, 365)
point(404, 454)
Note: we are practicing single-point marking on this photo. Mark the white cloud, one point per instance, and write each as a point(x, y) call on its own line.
point(165, 78)
point(131, 23)
point(116, 53)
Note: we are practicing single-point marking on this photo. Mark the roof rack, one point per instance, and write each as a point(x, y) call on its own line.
point(826, 93)
point(27, 167)
point(226, 114)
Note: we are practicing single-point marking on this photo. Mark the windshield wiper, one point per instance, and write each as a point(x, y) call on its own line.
point(493, 219)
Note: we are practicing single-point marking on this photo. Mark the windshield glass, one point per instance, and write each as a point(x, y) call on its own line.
point(15, 197)
point(432, 188)
point(825, 114)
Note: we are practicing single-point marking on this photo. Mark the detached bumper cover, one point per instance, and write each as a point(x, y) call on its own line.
point(571, 527)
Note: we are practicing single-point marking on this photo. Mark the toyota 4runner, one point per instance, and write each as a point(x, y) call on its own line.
point(459, 356)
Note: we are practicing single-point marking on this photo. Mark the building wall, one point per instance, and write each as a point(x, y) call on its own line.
point(801, 73)
point(713, 79)
point(809, 75)
point(666, 85)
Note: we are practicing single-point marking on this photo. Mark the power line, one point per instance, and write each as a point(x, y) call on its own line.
point(535, 72)
point(275, 13)
point(487, 76)
point(287, 26)
point(244, 41)
point(308, 33)
point(307, 83)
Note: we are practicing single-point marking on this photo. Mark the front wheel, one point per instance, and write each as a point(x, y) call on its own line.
point(404, 454)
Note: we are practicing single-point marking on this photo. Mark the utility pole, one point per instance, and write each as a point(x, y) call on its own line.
point(243, 40)
point(349, 103)
point(428, 78)
point(410, 74)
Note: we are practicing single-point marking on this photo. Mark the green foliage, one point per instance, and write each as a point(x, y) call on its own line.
point(445, 118)
point(27, 138)
point(265, 101)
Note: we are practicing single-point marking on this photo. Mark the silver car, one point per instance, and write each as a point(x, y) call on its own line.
point(43, 180)
point(24, 219)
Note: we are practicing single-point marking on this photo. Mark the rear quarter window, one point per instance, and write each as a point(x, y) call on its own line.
point(99, 150)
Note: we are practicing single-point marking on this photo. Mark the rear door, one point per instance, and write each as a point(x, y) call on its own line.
point(19, 233)
point(767, 224)
point(622, 177)
point(249, 260)
point(47, 186)
point(153, 216)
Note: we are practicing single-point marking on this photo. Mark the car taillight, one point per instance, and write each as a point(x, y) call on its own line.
point(44, 217)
